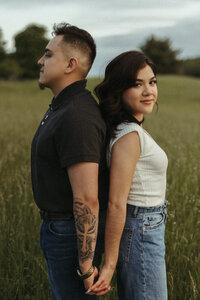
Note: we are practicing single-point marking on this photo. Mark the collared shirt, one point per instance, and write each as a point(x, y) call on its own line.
point(71, 131)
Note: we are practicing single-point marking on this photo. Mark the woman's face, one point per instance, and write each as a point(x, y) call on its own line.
point(140, 99)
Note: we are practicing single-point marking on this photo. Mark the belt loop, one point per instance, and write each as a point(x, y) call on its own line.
point(135, 211)
point(165, 207)
point(42, 214)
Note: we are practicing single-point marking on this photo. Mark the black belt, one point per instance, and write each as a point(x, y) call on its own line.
point(53, 216)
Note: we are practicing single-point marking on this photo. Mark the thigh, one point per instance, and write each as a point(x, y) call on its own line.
point(141, 272)
point(59, 244)
point(130, 266)
point(154, 255)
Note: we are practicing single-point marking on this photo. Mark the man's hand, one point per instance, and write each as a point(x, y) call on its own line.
point(90, 280)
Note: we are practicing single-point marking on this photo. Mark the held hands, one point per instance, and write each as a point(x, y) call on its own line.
point(102, 286)
point(90, 280)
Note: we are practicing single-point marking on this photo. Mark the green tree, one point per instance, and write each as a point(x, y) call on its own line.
point(191, 67)
point(162, 54)
point(2, 46)
point(30, 45)
point(9, 68)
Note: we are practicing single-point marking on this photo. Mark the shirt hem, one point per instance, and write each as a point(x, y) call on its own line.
point(139, 203)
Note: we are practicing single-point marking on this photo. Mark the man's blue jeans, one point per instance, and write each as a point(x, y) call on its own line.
point(141, 271)
point(59, 244)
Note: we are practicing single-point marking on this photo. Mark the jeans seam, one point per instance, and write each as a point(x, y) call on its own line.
point(128, 232)
point(143, 262)
point(130, 237)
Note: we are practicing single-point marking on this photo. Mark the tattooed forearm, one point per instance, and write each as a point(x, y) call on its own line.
point(86, 227)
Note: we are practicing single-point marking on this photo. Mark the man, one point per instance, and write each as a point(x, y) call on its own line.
point(69, 174)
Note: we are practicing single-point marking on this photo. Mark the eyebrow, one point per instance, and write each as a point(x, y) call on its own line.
point(137, 79)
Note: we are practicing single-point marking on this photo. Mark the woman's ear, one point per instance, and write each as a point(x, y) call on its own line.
point(72, 65)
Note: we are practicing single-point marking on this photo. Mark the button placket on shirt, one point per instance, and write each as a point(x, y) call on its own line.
point(46, 116)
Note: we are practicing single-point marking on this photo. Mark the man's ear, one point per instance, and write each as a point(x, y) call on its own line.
point(72, 65)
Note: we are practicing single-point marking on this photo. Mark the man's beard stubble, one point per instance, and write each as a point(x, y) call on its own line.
point(41, 85)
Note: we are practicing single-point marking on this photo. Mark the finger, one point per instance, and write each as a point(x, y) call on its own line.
point(103, 292)
point(91, 293)
point(94, 286)
point(100, 288)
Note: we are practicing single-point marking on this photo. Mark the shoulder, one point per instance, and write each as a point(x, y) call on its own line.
point(125, 129)
point(82, 116)
point(87, 105)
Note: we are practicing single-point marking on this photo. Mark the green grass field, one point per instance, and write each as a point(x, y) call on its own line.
point(176, 127)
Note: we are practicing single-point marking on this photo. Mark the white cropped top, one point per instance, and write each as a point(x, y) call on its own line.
point(148, 185)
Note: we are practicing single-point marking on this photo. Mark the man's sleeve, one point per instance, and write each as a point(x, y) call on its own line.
point(79, 138)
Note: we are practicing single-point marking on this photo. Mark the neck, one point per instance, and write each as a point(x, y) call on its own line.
point(61, 85)
point(139, 117)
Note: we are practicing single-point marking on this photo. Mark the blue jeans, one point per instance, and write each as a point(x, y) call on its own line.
point(59, 244)
point(141, 271)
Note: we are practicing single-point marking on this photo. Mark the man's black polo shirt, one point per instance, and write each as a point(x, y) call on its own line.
point(71, 131)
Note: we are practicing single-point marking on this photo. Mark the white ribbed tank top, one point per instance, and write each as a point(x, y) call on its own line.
point(148, 185)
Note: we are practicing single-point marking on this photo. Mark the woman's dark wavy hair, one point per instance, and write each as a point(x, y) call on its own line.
point(120, 74)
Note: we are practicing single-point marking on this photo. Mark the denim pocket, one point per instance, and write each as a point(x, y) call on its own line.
point(125, 244)
point(62, 229)
point(152, 221)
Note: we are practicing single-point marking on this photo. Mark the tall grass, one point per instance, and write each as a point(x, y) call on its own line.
point(175, 127)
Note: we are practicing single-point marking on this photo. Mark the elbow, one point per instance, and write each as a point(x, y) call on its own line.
point(117, 205)
point(93, 202)
point(90, 201)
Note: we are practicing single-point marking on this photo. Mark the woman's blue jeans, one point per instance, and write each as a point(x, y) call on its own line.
point(59, 244)
point(141, 271)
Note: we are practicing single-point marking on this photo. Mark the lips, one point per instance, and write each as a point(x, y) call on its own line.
point(148, 101)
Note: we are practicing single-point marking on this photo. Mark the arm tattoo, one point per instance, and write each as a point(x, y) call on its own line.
point(86, 228)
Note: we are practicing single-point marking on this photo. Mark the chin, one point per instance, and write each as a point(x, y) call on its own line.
point(147, 112)
point(41, 85)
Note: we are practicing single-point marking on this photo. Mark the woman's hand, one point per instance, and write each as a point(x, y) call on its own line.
point(102, 286)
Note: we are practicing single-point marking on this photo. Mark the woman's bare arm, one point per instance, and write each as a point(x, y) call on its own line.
point(125, 154)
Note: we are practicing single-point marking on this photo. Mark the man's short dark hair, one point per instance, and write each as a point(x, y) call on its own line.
point(78, 38)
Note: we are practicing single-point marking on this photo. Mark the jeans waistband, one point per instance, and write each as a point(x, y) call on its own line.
point(53, 216)
point(133, 211)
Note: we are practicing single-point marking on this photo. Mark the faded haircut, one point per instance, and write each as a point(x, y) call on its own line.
point(78, 39)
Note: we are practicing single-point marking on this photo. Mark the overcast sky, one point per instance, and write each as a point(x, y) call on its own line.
point(116, 25)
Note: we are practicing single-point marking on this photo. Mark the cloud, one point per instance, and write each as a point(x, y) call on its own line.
point(182, 37)
point(116, 25)
point(96, 3)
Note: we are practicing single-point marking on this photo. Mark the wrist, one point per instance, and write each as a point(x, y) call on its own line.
point(87, 274)
point(110, 265)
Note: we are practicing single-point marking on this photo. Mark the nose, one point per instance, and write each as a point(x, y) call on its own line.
point(41, 61)
point(147, 89)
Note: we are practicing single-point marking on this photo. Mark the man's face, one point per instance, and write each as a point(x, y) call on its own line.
point(53, 64)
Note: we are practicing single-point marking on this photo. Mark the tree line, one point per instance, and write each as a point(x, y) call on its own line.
point(30, 44)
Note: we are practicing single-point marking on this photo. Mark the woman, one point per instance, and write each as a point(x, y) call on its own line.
point(136, 215)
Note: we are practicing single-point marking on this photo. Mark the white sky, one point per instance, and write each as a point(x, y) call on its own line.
point(116, 25)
